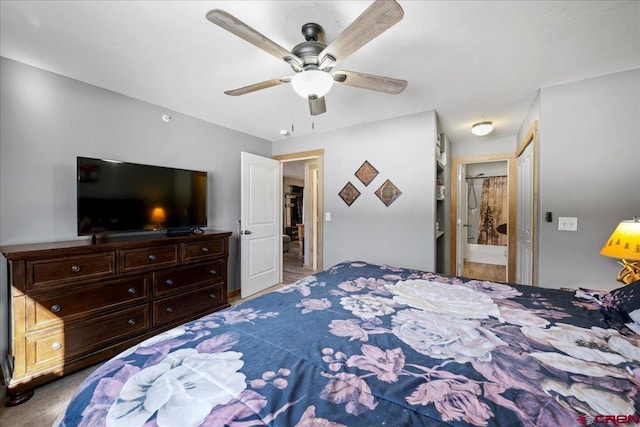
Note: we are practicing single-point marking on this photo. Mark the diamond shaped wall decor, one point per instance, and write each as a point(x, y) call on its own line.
point(349, 193)
point(366, 173)
point(388, 193)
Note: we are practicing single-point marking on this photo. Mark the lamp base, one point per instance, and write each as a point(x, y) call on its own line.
point(630, 272)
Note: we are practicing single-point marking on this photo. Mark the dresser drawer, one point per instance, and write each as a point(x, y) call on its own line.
point(84, 301)
point(56, 346)
point(148, 258)
point(172, 310)
point(203, 249)
point(177, 279)
point(47, 272)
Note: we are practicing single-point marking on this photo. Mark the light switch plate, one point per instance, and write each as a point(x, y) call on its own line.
point(568, 223)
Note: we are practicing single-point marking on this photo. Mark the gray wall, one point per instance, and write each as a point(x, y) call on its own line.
point(532, 116)
point(589, 157)
point(402, 150)
point(47, 120)
point(590, 169)
point(482, 146)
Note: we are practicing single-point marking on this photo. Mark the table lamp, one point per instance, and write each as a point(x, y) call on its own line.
point(158, 216)
point(624, 244)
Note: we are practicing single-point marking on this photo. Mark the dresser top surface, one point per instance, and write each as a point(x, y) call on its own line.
point(111, 243)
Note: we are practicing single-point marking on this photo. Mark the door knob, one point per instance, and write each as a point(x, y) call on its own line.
point(245, 232)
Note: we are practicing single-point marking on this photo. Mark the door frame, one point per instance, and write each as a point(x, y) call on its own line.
point(318, 155)
point(510, 158)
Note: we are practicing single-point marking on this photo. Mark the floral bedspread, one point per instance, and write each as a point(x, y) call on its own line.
point(372, 345)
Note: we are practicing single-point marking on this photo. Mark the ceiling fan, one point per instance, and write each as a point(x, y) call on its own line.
point(313, 60)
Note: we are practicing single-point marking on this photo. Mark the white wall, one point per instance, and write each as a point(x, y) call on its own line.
point(402, 150)
point(589, 169)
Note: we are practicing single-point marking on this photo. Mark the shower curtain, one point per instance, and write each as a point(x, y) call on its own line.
point(494, 206)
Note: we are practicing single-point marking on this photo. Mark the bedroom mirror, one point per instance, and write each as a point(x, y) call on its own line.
point(483, 218)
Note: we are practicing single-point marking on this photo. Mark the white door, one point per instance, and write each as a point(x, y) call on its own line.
point(313, 244)
point(260, 234)
point(524, 263)
point(462, 218)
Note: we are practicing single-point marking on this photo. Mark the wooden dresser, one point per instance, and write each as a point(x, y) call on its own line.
point(74, 304)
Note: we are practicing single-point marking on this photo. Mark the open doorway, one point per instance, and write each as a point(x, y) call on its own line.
point(483, 218)
point(302, 207)
point(293, 210)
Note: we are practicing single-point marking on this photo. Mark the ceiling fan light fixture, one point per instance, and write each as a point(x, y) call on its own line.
point(482, 128)
point(312, 83)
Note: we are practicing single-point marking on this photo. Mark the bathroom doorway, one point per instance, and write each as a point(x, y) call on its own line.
point(483, 218)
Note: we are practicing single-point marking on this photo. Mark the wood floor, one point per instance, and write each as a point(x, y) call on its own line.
point(292, 264)
point(291, 271)
point(490, 272)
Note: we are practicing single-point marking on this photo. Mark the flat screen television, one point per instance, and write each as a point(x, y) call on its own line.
point(120, 197)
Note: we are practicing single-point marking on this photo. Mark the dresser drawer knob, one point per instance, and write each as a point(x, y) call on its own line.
point(169, 282)
point(205, 249)
point(56, 308)
point(212, 271)
point(131, 291)
point(212, 295)
point(152, 257)
point(56, 346)
point(169, 309)
point(132, 322)
point(75, 268)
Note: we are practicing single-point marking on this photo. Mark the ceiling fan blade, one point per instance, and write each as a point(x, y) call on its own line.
point(317, 105)
point(245, 32)
point(258, 86)
point(375, 20)
point(369, 81)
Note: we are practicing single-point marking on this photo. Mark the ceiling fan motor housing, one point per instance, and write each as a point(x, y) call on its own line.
point(313, 60)
point(313, 32)
point(309, 50)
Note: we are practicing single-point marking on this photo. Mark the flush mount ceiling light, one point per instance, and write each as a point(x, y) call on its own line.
point(312, 83)
point(482, 128)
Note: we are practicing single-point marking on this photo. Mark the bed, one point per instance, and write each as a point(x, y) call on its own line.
point(373, 345)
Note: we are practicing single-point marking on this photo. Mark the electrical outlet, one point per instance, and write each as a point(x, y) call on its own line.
point(568, 223)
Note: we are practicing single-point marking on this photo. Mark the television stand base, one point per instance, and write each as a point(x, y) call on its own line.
point(179, 232)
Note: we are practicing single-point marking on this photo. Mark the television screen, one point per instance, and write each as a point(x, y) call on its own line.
point(116, 196)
